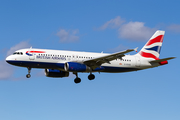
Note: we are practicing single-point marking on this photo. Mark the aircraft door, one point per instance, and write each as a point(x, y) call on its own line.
point(77, 57)
point(73, 57)
point(32, 57)
point(138, 62)
point(31, 54)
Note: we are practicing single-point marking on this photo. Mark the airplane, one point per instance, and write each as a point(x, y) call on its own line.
point(59, 63)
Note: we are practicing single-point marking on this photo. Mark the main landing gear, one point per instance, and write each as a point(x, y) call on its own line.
point(29, 71)
point(78, 80)
point(91, 76)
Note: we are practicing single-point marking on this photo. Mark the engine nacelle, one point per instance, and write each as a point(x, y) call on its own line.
point(75, 67)
point(56, 73)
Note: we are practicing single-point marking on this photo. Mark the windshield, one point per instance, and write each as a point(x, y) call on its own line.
point(18, 53)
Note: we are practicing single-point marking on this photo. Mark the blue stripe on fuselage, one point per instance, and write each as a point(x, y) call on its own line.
point(44, 65)
point(118, 69)
point(33, 64)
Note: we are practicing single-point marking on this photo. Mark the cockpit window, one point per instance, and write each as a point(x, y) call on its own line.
point(18, 53)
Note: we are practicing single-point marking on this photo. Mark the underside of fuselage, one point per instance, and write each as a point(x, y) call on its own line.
point(60, 66)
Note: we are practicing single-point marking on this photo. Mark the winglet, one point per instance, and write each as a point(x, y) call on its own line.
point(136, 49)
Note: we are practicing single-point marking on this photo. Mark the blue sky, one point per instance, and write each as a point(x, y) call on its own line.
point(94, 26)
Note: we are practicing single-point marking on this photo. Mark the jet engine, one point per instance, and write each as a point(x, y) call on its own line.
point(55, 73)
point(75, 67)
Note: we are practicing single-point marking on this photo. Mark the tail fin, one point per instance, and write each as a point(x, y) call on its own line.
point(152, 48)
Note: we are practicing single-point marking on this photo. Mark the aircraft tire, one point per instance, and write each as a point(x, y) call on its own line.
point(77, 80)
point(28, 75)
point(91, 76)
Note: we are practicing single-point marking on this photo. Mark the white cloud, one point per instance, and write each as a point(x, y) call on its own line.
point(135, 31)
point(113, 23)
point(7, 70)
point(68, 36)
point(174, 28)
point(21, 45)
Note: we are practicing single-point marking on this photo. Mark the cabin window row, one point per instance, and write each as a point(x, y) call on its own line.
point(75, 56)
point(65, 56)
point(125, 60)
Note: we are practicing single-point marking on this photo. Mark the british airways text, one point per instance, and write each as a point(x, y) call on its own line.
point(47, 57)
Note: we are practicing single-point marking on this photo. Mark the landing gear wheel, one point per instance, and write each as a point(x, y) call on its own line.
point(91, 77)
point(77, 80)
point(29, 71)
point(28, 75)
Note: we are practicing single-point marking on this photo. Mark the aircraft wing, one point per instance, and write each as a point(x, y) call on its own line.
point(96, 62)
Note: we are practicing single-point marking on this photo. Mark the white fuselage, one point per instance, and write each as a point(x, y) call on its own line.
point(55, 59)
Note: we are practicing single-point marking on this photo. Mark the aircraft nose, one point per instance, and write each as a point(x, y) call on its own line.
point(12, 60)
point(8, 59)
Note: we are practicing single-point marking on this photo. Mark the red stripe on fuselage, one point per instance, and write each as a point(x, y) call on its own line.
point(157, 39)
point(148, 55)
point(35, 52)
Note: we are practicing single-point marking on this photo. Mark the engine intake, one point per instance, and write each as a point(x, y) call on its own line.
point(56, 73)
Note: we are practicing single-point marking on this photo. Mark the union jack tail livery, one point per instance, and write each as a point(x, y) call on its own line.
point(152, 48)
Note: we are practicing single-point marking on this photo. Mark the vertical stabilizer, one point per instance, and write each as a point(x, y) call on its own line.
point(153, 47)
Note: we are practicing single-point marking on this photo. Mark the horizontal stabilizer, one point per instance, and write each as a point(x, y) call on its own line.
point(161, 60)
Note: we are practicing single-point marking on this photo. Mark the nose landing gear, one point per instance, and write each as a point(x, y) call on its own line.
point(29, 71)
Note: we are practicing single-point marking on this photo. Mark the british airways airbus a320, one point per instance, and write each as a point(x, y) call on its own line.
point(58, 63)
